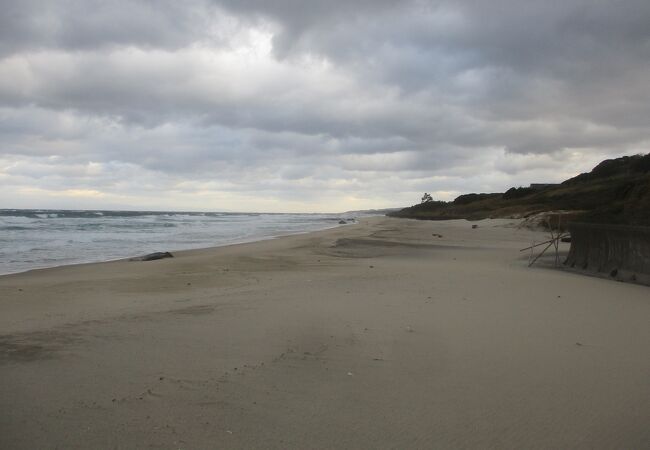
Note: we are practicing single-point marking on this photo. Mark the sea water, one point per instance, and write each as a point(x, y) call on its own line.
point(31, 239)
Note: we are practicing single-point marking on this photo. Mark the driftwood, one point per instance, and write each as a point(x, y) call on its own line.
point(556, 237)
point(550, 241)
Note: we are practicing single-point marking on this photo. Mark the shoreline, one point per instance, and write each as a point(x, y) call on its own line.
point(236, 242)
point(388, 333)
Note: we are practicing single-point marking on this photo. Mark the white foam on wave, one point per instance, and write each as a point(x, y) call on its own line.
point(30, 239)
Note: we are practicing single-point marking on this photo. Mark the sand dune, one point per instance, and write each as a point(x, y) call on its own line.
point(387, 334)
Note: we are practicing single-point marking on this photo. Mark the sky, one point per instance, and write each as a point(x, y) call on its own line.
point(312, 106)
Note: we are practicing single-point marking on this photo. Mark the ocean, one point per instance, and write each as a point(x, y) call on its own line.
point(32, 239)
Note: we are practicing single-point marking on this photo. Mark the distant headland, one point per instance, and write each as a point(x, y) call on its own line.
point(616, 191)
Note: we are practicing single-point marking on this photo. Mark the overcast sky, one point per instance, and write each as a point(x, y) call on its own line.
point(324, 105)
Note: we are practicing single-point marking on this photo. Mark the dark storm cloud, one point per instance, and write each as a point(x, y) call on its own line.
point(86, 24)
point(536, 36)
point(592, 54)
point(334, 96)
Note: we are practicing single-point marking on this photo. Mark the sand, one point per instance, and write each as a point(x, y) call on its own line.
point(376, 335)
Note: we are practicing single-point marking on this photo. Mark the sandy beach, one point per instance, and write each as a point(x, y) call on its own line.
point(390, 333)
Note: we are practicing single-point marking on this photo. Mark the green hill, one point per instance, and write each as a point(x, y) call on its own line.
point(615, 191)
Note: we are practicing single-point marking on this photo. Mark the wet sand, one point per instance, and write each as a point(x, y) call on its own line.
point(376, 335)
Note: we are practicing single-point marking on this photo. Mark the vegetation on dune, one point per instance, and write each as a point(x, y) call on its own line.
point(615, 191)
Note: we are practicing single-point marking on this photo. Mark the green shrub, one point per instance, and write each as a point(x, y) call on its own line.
point(519, 192)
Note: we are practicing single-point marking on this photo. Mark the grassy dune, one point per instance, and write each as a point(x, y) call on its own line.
point(615, 191)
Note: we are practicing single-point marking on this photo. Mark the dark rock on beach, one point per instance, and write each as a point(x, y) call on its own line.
point(153, 256)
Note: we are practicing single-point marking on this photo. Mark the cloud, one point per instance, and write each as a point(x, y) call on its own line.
point(31, 25)
point(314, 106)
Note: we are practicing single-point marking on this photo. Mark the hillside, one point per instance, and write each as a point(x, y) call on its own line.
point(615, 191)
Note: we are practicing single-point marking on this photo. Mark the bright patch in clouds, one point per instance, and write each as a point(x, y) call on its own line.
point(318, 106)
